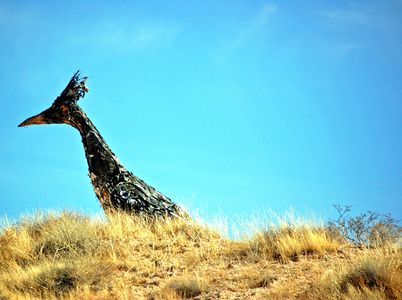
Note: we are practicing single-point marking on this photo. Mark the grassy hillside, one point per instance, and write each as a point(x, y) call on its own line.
point(73, 256)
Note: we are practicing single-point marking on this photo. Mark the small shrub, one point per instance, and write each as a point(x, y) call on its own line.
point(368, 229)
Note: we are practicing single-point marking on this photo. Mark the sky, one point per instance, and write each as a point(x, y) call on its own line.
point(227, 107)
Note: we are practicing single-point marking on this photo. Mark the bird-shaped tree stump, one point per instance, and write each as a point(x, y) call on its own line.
point(116, 188)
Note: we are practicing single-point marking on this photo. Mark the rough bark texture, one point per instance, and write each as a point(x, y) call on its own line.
point(115, 187)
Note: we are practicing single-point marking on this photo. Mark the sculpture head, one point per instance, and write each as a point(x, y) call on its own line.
point(61, 108)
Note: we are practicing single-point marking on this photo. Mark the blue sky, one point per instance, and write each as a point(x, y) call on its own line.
point(231, 106)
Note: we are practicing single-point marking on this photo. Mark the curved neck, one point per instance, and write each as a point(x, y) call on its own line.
point(101, 160)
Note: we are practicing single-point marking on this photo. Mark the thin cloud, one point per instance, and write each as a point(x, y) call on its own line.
point(338, 50)
point(245, 35)
point(11, 19)
point(361, 26)
point(122, 35)
point(134, 38)
point(379, 16)
point(347, 16)
point(254, 26)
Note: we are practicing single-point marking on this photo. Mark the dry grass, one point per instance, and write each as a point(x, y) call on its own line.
point(73, 256)
point(288, 237)
point(375, 274)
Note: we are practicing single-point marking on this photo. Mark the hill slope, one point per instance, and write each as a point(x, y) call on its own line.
point(74, 256)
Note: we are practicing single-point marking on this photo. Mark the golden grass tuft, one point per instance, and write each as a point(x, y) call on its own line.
point(288, 237)
point(70, 255)
point(185, 286)
point(376, 274)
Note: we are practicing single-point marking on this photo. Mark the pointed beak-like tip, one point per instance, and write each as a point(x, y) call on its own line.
point(35, 120)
